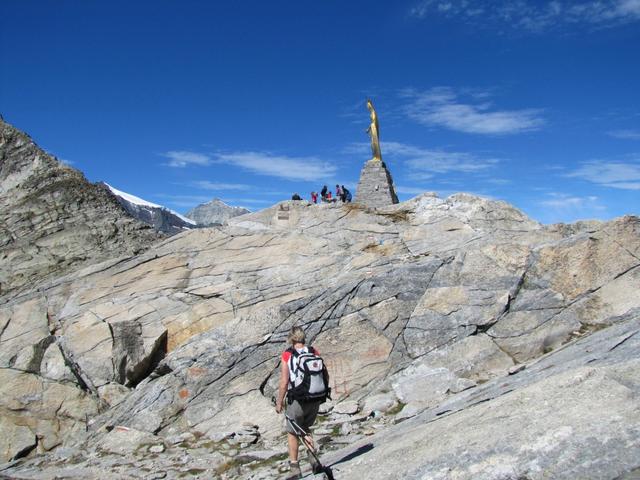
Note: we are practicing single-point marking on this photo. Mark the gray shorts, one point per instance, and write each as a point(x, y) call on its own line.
point(304, 414)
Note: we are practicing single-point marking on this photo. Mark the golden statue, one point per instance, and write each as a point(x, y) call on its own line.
point(373, 132)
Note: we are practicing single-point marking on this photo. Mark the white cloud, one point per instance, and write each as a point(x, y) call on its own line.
point(441, 107)
point(424, 163)
point(531, 15)
point(622, 175)
point(207, 185)
point(263, 163)
point(565, 201)
point(289, 168)
point(180, 159)
point(626, 134)
point(563, 207)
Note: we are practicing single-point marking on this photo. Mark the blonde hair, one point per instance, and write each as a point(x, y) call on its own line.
point(296, 335)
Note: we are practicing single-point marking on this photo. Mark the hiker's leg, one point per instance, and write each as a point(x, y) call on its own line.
point(310, 413)
point(293, 447)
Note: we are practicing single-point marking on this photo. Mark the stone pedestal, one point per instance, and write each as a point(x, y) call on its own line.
point(375, 188)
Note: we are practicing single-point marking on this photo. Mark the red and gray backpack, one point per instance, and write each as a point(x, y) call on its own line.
point(308, 378)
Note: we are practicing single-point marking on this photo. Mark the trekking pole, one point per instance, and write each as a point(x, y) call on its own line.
point(302, 435)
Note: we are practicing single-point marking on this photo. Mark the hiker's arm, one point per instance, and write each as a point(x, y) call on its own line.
point(282, 387)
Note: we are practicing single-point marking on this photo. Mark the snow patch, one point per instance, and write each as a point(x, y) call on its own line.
point(143, 203)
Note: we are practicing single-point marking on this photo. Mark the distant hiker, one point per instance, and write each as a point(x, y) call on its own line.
point(304, 381)
point(323, 193)
point(314, 197)
point(295, 196)
point(328, 197)
point(339, 193)
point(347, 194)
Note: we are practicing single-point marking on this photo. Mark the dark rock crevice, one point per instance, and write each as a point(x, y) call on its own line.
point(83, 380)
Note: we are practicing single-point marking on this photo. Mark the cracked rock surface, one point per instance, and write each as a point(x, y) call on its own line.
point(464, 340)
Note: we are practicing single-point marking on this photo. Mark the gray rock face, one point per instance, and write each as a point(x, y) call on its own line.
point(422, 307)
point(215, 212)
point(571, 414)
point(53, 221)
point(375, 188)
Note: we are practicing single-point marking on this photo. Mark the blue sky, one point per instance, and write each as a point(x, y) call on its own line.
point(534, 103)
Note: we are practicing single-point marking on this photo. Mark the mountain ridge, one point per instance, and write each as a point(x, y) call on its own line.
point(50, 216)
point(161, 218)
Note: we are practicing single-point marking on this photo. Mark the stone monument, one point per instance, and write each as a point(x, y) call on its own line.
point(375, 188)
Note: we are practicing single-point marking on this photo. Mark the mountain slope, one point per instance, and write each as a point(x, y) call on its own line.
point(160, 218)
point(52, 220)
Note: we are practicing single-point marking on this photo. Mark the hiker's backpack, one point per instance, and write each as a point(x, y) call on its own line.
point(308, 378)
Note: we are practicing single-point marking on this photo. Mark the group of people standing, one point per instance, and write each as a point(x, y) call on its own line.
point(342, 194)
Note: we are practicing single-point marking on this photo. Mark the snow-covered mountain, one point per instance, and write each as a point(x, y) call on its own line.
point(159, 217)
point(215, 212)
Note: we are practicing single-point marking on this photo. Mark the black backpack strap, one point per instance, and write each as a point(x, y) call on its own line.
point(294, 354)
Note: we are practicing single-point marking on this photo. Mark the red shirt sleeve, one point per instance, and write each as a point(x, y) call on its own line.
point(286, 355)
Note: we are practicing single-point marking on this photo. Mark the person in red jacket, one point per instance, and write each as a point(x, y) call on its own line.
point(303, 413)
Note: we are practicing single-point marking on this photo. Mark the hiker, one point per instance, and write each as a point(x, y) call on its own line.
point(339, 193)
point(314, 197)
point(329, 198)
point(323, 193)
point(304, 393)
point(295, 196)
point(347, 194)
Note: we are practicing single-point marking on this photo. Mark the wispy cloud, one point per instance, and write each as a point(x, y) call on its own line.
point(626, 134)
point(424, 163)
point(217, 186)
point(442, 107)
point(262, 163)
point(622, 175)
point(565, 207)
point(180, 159)
point(289, 168)
point(531, 15)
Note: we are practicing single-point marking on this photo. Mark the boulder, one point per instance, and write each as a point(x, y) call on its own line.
point(15, 441)
point(126, 441)
point(348, 407)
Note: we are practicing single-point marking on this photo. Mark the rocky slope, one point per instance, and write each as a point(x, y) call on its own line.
point(215, 212)
point(160, 218)
point(163, 365)
point(52, 220)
